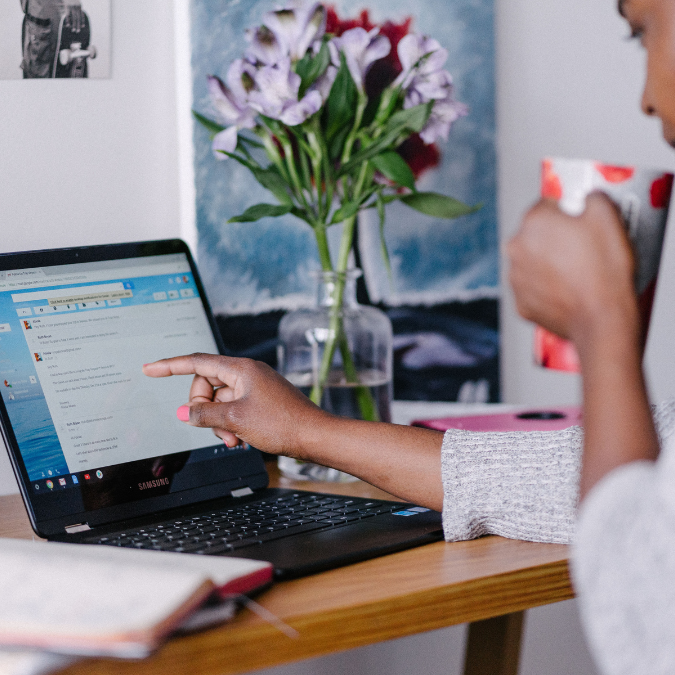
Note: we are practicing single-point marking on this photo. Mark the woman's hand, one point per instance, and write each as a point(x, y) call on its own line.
point(247, 400)
point(574, 275)
point(241, 399)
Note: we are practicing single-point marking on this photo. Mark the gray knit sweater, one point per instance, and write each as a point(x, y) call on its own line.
point(522, 485)
point(525, 486)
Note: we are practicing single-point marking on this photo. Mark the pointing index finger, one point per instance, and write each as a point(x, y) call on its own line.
point(218, 369)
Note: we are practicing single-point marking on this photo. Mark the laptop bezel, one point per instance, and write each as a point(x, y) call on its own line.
point(48, 528)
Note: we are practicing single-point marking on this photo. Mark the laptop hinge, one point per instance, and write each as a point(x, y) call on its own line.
point(242, 492)
point(80, 527)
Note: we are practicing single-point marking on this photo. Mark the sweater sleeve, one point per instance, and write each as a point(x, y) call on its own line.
point(521, 485)
point(664, 419)
point(623, 567)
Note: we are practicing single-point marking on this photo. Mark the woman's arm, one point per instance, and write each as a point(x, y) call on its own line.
point(248, 400)
point(520, 485)
point(574, 276)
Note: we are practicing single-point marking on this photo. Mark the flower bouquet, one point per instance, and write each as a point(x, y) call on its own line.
point(324, 114)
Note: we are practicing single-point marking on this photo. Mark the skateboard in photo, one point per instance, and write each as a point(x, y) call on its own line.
point(74, 48)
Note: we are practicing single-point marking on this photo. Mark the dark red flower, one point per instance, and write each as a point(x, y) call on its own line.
point(395, 32)
point(382, 73)
point(337, 26)
point(418, 155)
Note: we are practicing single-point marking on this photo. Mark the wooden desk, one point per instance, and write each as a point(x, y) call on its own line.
point(488, 582)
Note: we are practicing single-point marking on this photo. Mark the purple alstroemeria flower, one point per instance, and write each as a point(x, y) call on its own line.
point(422, 59)
point(263, 46)
point(444, 113)
point(324, 83)
point(231, 105)
point(423, 79)
point(287, 32)
point(361, 49)
point(276, 94)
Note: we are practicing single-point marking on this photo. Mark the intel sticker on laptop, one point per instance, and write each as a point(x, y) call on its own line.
point(413, 511)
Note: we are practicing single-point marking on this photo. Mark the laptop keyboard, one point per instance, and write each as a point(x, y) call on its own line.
point(249, 524)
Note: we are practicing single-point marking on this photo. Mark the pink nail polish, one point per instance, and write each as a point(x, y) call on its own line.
point(183, 413)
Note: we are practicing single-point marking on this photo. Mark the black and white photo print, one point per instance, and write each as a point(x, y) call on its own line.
point(54, 39)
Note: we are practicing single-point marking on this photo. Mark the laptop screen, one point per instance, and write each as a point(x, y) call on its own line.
point(91, 430)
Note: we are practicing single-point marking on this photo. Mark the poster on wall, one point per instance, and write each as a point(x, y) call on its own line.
point(54, 39)
point(441, 287)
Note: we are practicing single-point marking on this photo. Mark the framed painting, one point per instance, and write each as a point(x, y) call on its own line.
point(442, 288)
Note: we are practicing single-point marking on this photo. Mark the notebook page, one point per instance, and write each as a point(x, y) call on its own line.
point(220, 570)
point(49, 594)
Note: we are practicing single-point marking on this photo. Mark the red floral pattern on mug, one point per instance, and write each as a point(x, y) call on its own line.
point(615, 174)
point(659, 193)
point(551, 187)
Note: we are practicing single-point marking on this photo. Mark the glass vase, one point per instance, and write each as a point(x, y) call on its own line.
point(339, 353)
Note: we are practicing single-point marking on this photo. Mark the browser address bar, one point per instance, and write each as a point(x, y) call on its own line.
point(61, 295)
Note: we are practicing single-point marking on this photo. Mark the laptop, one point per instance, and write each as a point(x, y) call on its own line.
point(95, 445)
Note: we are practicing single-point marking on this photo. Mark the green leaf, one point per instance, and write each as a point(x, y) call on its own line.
point(341, 104)
point(383, 241)
point(273, 182)
point(347, 211)
point(439, 206)
point(302, 214)
point(211, 125)
point(337, 143)
point(394, 167)
point(250, 141)
point(259, 211)
point(242, 160)
point(405, 121)
point(312, 67)
point(413, 118)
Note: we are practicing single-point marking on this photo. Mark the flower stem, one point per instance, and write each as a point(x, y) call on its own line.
point(322, 246)
point(336, 335)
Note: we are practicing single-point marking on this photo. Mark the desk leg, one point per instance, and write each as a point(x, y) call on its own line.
point(493, 646)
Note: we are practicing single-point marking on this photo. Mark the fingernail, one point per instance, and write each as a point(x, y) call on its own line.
point(183, 413)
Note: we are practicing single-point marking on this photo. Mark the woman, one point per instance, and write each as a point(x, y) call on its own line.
point(573, 276)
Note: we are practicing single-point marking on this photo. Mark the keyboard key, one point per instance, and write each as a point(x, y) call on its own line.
point(287, 532)
point(209, 528)
point(215, 550)
point(191, 548)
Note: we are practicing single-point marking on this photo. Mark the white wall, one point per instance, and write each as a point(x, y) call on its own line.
point(569, 84)
point(97, 161)
point(94, 161)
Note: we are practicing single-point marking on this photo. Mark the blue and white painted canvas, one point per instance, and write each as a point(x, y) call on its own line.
point(437, 265)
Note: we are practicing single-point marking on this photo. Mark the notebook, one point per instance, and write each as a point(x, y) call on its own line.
point(95, 445)
point(102, 601)
point(532, 419)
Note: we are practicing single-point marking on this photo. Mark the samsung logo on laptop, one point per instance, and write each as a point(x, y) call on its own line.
point(153, 483)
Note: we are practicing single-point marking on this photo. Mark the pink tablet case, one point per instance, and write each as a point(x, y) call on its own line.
point(534, 419)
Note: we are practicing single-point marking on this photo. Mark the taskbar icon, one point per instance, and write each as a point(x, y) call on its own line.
point(62, 482)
